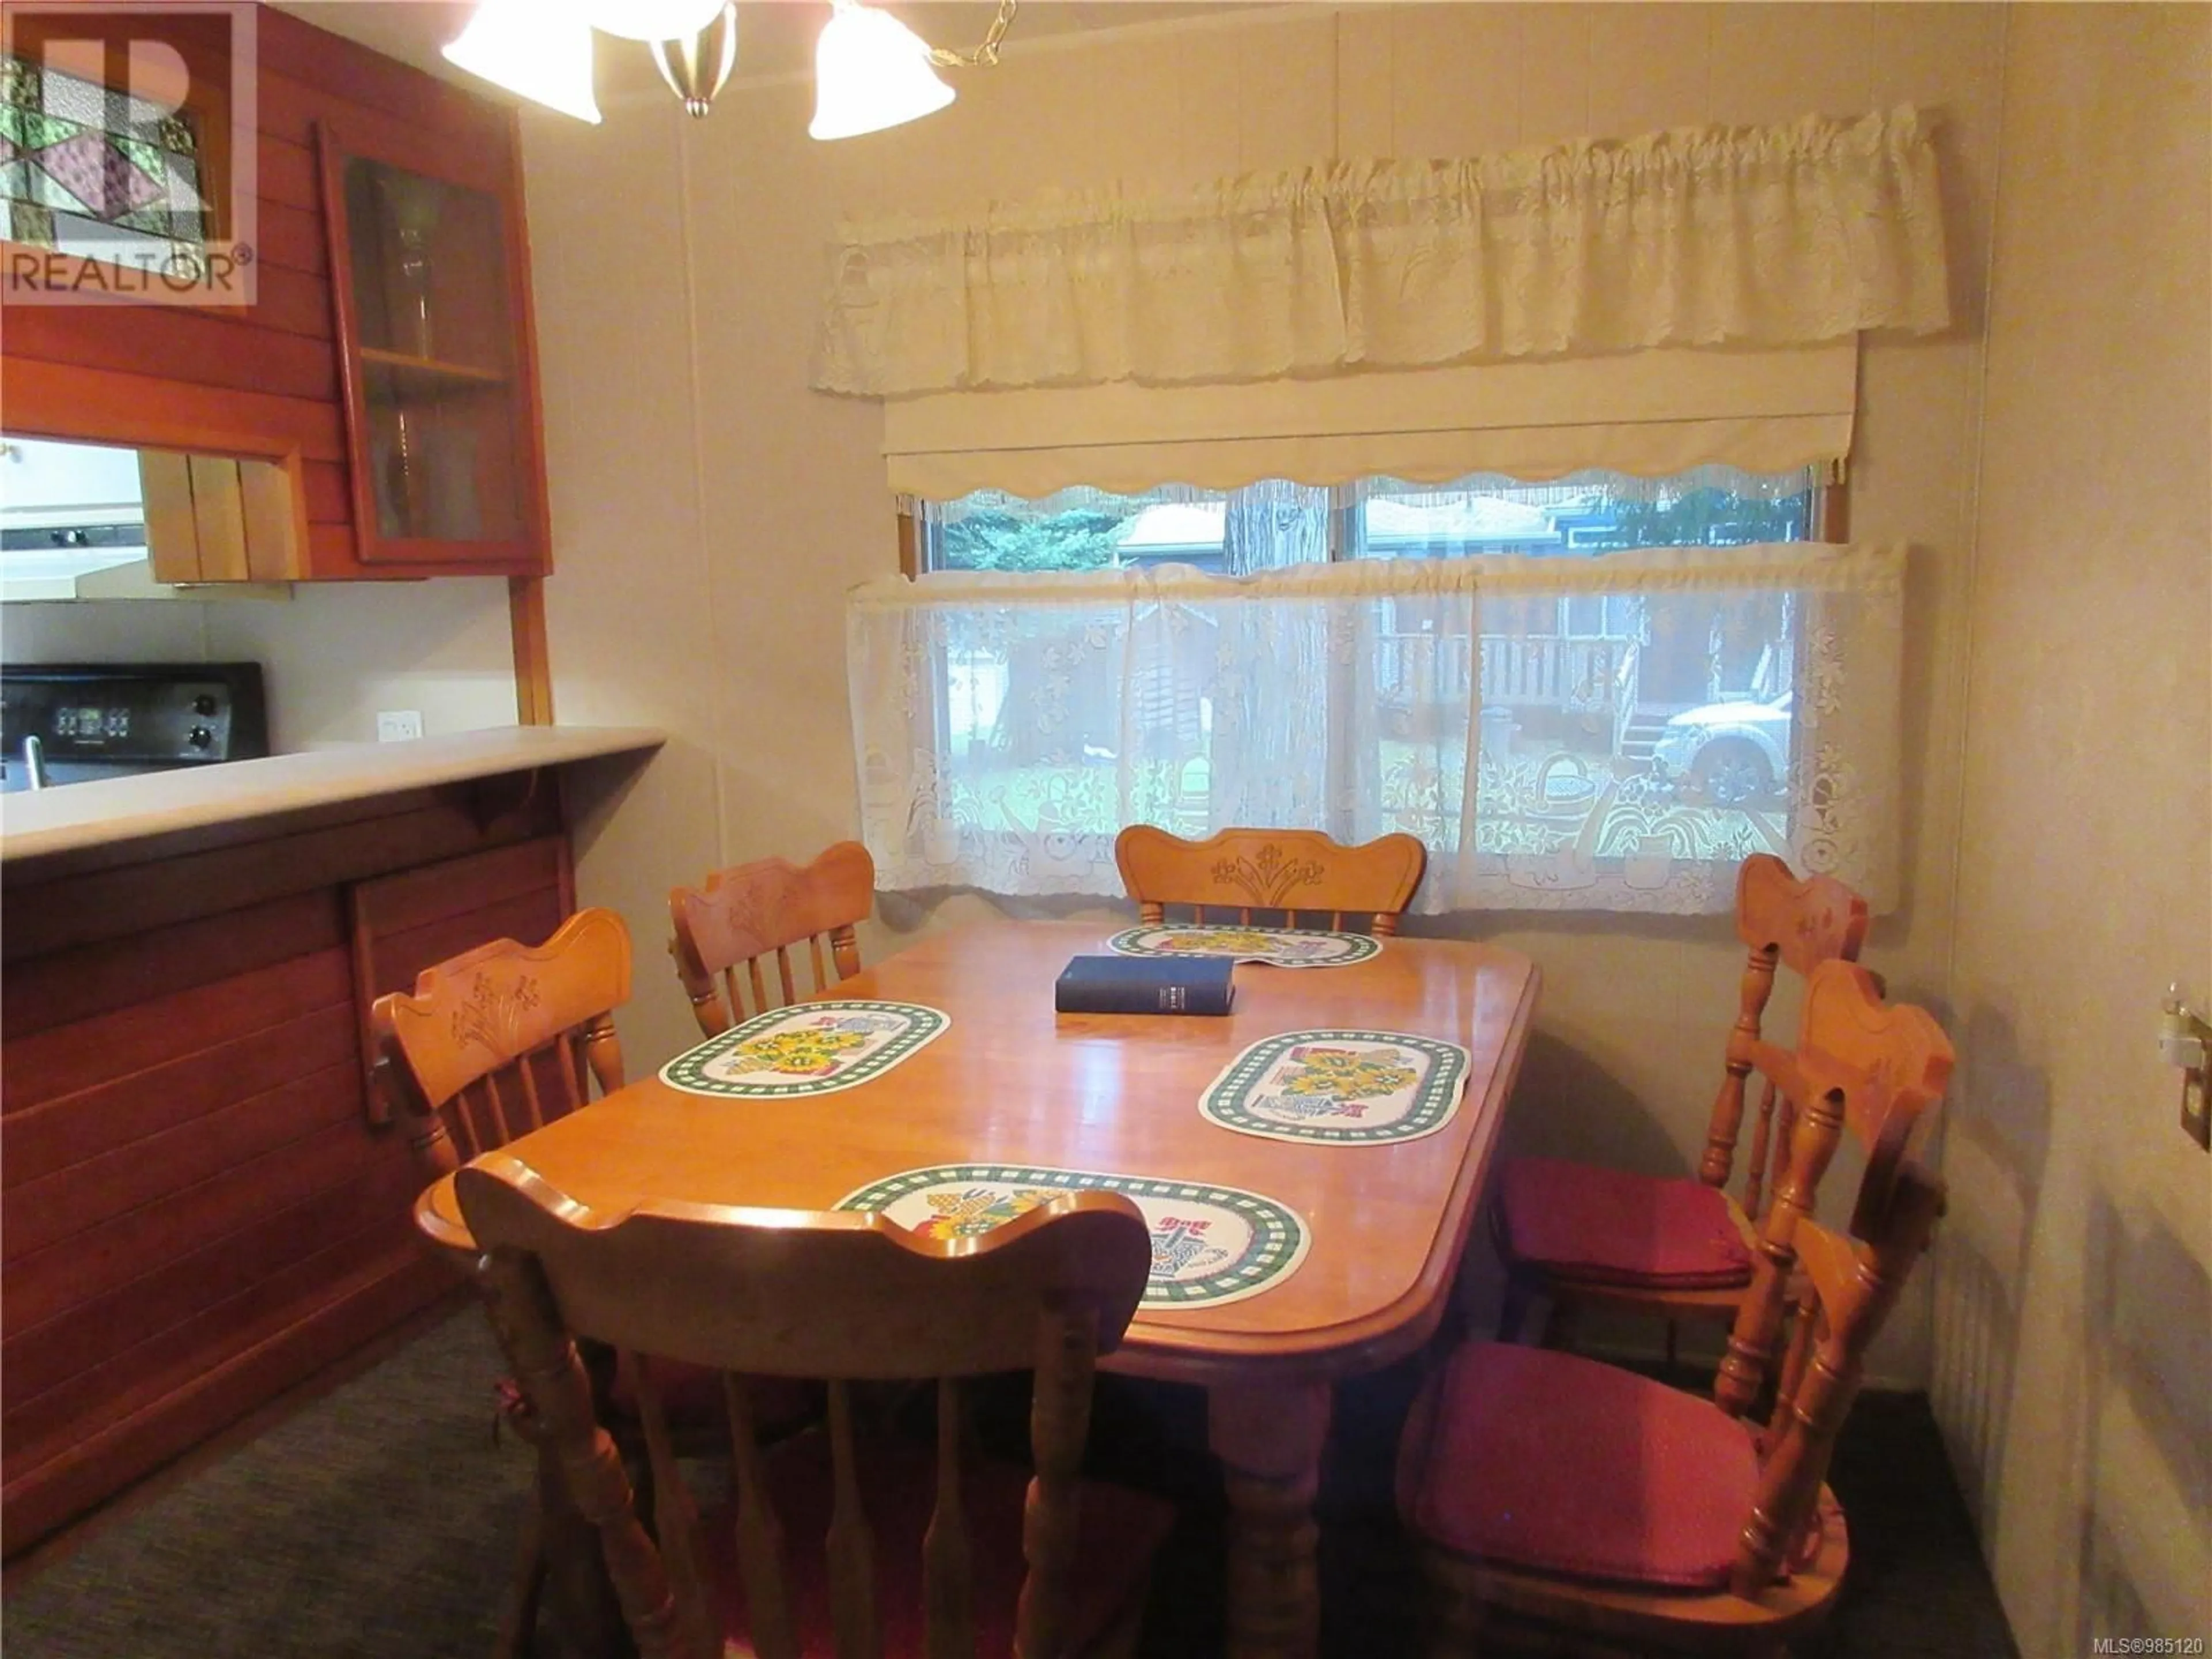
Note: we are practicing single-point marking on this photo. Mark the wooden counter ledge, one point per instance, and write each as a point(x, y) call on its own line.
point(84, 815)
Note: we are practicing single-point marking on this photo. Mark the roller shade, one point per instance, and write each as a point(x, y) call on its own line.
point(1648, 413)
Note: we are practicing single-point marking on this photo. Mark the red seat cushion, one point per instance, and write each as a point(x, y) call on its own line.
point(1548, 1460)
point(1615, 1227)
point(1121, 1532)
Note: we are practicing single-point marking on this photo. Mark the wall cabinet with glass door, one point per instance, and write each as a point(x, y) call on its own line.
point(429, 272)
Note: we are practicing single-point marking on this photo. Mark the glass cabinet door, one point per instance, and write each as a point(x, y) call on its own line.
point(431, 312)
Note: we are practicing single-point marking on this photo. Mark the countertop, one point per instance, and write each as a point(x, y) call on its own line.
point(81, 815)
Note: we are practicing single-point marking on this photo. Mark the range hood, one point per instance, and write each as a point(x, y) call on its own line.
point(69, 515)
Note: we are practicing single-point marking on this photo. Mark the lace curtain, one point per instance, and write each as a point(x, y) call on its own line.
point(1694, 236)
point(1513, 713)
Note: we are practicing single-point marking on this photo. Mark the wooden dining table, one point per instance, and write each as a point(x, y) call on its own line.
point(1012, 1081)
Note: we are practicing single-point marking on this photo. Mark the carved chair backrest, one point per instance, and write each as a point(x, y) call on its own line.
point(846, 1296)
point(1875, 1070)
point(1298, 872)
point(496, 1041)
point(1782, 921)
point(740, 915)
point(1843, 1291)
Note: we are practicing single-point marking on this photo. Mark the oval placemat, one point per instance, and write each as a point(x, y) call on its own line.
point(808, 1048)
point(1278, 947)
point(1344, 1088)
point(1211, 1245)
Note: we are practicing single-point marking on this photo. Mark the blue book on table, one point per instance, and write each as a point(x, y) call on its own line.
point(1144, 985)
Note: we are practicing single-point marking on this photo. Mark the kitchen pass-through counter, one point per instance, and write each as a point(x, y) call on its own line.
point(99, 814)
point(203, 1202)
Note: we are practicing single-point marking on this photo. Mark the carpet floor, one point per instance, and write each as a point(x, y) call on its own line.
point(379, 1521)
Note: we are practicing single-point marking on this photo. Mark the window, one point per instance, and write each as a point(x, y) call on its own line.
point(96, 173)
point(1505, 670)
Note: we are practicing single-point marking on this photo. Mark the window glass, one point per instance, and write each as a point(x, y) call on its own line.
point(1591, 722)
point(95, 173)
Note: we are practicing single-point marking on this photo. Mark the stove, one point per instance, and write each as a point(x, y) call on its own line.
point(75, 722)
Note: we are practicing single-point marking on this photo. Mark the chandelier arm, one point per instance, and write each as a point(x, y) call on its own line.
point(985, 55)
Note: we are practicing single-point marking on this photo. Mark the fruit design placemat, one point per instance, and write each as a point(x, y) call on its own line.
point(1210, 1244)
point(809, 1049)
point(1342, 1088)
point(1281, 947)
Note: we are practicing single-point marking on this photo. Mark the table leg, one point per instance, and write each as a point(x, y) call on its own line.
point(1269, 1438)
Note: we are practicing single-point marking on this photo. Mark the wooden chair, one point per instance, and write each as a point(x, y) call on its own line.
point(1295, 872)
point(1589, 1509)
point(742, 914)
point(847, 1296)
point(1583, 1234)
point(493, 1043)
point(497, 1042)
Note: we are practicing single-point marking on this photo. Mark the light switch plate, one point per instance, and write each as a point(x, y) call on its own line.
point(399, 724)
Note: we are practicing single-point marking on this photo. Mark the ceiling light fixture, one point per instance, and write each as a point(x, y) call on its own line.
point(870, 70)
point(543, 52)
point(697, 65)
point(652, 20)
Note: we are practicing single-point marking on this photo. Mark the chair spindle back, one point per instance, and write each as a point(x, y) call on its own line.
point(726, 928)
point(1874, 1069)
point(841, 1296)
point(498, 1041)
point(1297, 872)
point(1846, 1291)
point(1783, 921)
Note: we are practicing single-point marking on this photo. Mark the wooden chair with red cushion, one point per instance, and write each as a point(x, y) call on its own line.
point(833, 1544)
point(1293, 873)
point(1583, 1234)
point(1579, 1506)
point(740, 917)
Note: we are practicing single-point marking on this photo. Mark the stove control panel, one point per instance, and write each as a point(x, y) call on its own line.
point(145, 718)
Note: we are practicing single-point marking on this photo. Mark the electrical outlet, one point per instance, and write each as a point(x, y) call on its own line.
point(397, 725)
point(2184, 1040)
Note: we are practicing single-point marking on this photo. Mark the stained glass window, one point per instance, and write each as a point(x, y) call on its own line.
point(89, 171)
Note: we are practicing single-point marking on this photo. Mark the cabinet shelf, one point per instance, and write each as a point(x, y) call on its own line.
point(429, 371)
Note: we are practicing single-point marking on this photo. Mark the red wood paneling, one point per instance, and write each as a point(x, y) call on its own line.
point(98, 1332)
point(198, 1213)
point(298, 1343)
point(74, 984)
point(264, 380)
point(71, 1057)
point(64, 1134)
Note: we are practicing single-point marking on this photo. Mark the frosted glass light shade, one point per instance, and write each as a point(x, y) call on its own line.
point(543, 52)
point(871, 71)
point(651, 19)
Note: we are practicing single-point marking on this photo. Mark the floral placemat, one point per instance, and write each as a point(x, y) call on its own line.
point(1281, 947)
point(808, 1048)
point(1342, 1088)
point(1210, 1244)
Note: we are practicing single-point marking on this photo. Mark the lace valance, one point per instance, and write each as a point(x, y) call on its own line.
point(1782, 235)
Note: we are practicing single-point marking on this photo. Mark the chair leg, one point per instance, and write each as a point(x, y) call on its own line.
point(1561, 1319)
point(1513, 1311)
point(517, 1618)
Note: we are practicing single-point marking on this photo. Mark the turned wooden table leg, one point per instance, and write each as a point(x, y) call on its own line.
point(1268, 1438)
